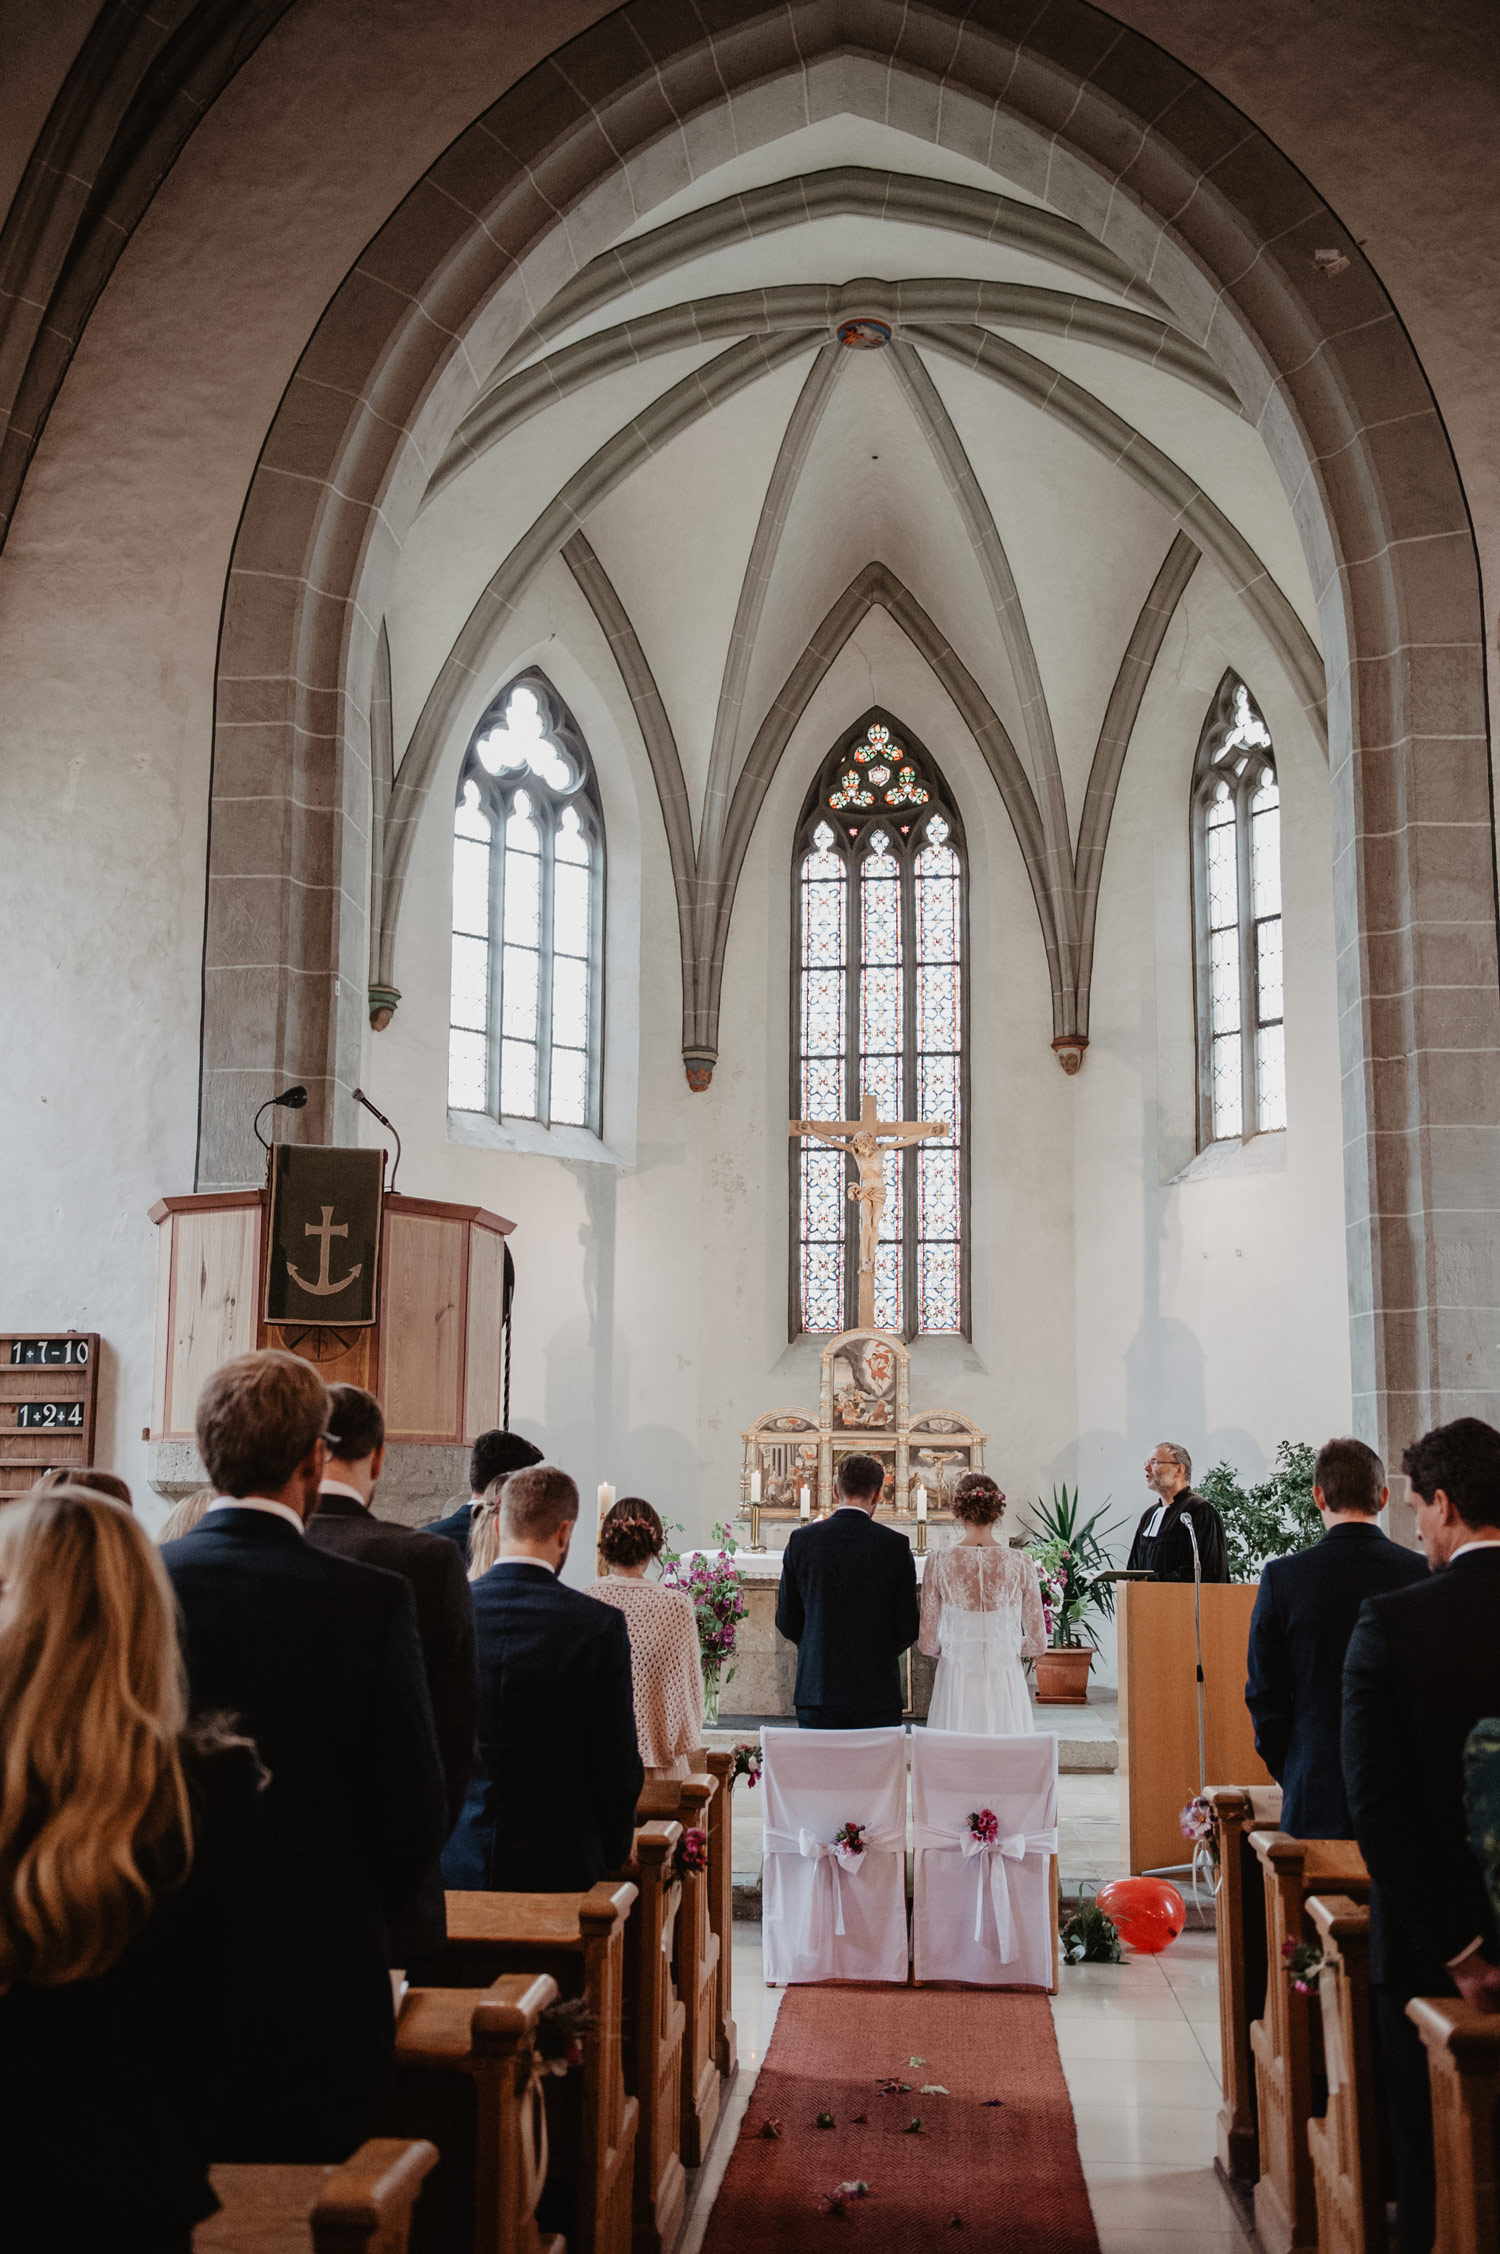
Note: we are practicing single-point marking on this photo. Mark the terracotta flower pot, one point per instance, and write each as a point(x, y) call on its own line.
point(1062, 1675)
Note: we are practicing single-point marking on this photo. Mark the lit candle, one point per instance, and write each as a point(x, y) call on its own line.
point(606, 1504)
point(922, 1503)
point(806, 1501)
point(755, 1486)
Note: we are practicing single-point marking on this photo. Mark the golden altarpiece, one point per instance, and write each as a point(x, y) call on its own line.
point(864, 1407)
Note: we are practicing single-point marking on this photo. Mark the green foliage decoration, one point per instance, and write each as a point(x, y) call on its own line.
point(1069, 1554)
point(1274, 1518)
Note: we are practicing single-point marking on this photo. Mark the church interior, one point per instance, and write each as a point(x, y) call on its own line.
point(615, 597)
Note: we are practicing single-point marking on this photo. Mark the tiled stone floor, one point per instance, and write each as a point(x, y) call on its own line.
point(1139, 2045)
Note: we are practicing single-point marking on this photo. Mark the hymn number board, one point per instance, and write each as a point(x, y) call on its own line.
point(49, 1386)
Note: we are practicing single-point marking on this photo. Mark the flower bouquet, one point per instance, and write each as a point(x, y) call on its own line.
point(691, 1853)
point(746, 1764)
point(712, 1581)
point(849, 1845)
point(984, 1825)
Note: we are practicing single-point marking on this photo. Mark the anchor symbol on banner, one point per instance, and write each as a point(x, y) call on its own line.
point(327, 1230)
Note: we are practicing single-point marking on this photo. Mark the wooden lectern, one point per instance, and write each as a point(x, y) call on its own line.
point(1159, 1709)
point(433, 1356)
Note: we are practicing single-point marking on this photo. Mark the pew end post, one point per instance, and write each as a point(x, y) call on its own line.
point(464, 2069)
point(1240, 1921)
point(721, 1900)
point(363, 2206)
point(1463, 2066)
point(1345, 2143)
point(658, 2025)
point(1284, 2041)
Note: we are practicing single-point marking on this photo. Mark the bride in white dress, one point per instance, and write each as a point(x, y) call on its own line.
point(981, 1616)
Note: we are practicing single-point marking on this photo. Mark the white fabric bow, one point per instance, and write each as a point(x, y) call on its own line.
point(824, 1918)
point(990, 1858)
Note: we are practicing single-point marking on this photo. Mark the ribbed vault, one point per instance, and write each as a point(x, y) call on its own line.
point(466, 431)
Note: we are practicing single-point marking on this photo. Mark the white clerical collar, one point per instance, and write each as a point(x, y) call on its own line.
point(256, 1502)
point(342, 1487)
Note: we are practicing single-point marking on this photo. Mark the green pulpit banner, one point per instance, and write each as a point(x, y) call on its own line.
point(323, 1255)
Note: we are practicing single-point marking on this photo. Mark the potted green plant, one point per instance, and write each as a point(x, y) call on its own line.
point(1069, 1556)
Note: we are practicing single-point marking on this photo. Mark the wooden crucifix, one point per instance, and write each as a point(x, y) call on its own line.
point(867, 1139)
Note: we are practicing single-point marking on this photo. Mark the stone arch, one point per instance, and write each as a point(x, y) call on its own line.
point(1220, 228)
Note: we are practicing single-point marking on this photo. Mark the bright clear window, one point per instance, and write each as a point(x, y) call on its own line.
point(1237, 891)
point(528, 874)
point(880, 1008)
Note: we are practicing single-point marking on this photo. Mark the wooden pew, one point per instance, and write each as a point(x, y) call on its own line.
point(655, 2023)
point(363, 2207)
point(1240, 1920)
point(690, 1801)
point(1345, 2144)
point(580, 1940)
point(1285, 2040)
point(1463, 2065)
point(721, 1898)
point(464, 2081)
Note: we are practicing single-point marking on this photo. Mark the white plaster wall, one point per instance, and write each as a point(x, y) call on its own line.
point(1211, 1311)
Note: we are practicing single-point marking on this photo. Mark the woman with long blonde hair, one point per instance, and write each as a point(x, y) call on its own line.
point(128, 1852)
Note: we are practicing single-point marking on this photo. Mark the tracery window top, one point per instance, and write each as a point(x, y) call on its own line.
point(881, 1006)
point(878, 773)
point(528, 885)
point(1236, 807)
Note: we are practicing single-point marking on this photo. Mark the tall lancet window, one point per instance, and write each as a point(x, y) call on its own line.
point(528, 916)
point(1237, 899)
point(880, 1008)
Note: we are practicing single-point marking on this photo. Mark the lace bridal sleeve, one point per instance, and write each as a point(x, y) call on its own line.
point(932, 1606)
point(1033, 1619)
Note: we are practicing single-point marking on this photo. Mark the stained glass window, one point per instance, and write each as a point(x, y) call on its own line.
point(881, 1007)
point(528, 895)
point(1237, 885)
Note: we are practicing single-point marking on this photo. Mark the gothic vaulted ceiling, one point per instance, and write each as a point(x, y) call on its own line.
point(849, 371)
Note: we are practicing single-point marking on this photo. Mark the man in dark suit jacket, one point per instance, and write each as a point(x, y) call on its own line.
point(1299, 1631)
point(494, 1455)
point(344, 1522)
point(848, 1601)
point(1163, 1546)
point(317, 1659)
point(552, 1806)
point(1423, 1667)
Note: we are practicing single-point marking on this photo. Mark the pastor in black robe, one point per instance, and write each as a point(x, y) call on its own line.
point(1164, 1548)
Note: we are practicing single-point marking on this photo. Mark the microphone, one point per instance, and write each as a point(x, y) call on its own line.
point(292, 1099)
point(361, 1098)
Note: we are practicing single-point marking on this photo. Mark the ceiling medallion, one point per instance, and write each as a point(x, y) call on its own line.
point(864, 335)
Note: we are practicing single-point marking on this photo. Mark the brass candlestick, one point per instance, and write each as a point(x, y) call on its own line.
point(921, 1537)
point(755, 1541)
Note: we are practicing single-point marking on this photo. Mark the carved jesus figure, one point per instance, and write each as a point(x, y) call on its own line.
point(868, 1138)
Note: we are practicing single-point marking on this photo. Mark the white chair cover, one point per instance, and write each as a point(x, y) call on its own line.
point(826, 1915)
point(983, 1914)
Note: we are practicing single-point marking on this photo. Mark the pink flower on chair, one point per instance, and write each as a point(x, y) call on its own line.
point(985, 1825)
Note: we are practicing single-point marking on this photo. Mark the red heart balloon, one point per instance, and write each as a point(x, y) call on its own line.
point(1147, 1913)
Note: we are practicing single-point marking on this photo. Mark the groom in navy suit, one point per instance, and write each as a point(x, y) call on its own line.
point(848, 1601)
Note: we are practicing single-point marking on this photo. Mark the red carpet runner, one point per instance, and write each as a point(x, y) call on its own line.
point(1004, 2178)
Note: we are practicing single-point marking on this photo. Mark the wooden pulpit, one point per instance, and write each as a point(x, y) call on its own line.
point(1159, 1709)
point(432, 1357)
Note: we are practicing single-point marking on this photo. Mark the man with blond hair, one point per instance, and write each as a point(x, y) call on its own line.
point(317, 1659)
point(552, 1805)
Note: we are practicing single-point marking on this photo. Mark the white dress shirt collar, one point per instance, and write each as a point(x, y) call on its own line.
point(256, 1502)
point(539, 1564)
point(342, 1487)
point(1465, 1549)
